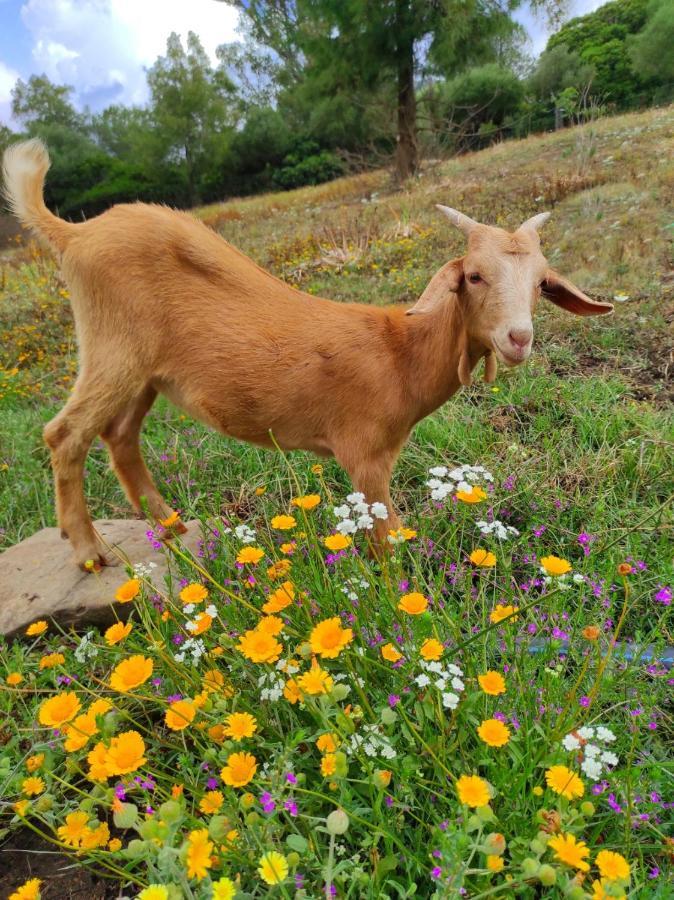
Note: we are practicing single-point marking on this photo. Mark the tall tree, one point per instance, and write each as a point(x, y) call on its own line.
point(39, 102)
point(376, 42)
point(191, 108)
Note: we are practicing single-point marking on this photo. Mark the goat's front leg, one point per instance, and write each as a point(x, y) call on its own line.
point(372, 477)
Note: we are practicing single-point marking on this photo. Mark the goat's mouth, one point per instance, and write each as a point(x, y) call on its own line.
point(513, 357)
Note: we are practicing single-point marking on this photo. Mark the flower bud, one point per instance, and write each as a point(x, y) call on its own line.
point(247, 800)
point(340, 691)
point(587, 808)
point(530, 867)
point(337, 822)
point(547, 875)
point(293, 859)
point(171, 811)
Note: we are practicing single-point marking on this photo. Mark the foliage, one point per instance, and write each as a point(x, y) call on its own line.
point(39, 102)
point(651, 48)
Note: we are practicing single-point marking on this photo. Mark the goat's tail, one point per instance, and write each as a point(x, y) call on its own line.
point(24, 168)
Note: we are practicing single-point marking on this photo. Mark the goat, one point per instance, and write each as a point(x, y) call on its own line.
point(162, 304)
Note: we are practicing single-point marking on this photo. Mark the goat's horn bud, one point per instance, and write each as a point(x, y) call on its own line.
point(465, 223)
point(535, 222)
point(490, 366)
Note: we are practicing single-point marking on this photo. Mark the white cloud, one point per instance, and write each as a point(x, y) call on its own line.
point(7, 80)
point(101, 47)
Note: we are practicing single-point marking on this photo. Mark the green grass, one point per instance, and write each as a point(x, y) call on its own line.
point(580, 442)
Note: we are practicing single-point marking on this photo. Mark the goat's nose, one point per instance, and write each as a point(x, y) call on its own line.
point(521, 337)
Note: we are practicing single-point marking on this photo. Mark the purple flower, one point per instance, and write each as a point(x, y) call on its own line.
point(393, 699)
point(584, 701)
point(291, 778)
point(212, 784)
point(436, 872)
point(663, 595)
point(290, 806)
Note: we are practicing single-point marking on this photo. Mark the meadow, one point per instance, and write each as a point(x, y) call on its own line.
point(289, 718)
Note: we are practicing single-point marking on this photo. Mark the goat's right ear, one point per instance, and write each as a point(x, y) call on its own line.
point(446, 281)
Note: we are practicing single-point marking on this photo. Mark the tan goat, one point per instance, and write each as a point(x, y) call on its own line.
point(164, 305)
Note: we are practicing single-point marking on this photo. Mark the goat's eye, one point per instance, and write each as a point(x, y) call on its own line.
point(475, 278)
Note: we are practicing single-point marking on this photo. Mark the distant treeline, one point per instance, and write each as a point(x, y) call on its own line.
point(347, 85)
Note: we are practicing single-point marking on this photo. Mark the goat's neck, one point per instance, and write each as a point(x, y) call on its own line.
point(437, 341)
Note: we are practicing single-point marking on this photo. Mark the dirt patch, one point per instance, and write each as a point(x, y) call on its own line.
point(25, 855)
point(10, 231)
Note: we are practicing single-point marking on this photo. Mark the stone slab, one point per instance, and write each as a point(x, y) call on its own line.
point(39, 580)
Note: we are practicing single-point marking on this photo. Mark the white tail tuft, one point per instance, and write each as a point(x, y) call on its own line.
point(24, 167)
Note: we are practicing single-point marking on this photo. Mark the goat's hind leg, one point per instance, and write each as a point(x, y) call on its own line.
point(122, 437)
point(69, 435)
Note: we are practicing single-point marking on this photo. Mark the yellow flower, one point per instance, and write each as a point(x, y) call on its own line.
point(273, 867)
point(336, 542)
point(201, 624)
point(125, 753)
point(475, 495)
point(315, 681)
point(29, 890)
point(292, 692)
point(74, 829)
point(240, 725)
point(612, 865)
point(260, 491)
point(495, 863)
point(280, 598)
point(390, 653)
point(96, 837)
point(625, 568)
point(328, 765)
point(98, 763)
point(494, 733)
point(327, 743)
point(564, 782)
point(591, 632)
point(413, 604)
point(193, 593)
point(259, 647)
point(224, 889)
point(270, 625)
point(51, 660)
point(59, 709)
point(553, 565)
point(249, 556)
point(114, 845)
point(328, 638)
point(492, 683)
point(33, 763)
point(79, 732)
point(37, 628)
point(400, 535)
point(317, 469)
point(473, 791)
point(14, 678)
point(154, 892)
point(179, 715)
point(211, 802)
point(483, 558)
point(503, 611)
point(171, 520)
point(570, 851)
point(599, 891)
point(131, 673)
point(283, 523)
point(126, 592)
point(288, 548)
point(21, 807)
point(308, 501)
point(431, 649)
point(240, 769)
point(199, 850)
point(32, 786)
point(279, 569)
point(117, 632)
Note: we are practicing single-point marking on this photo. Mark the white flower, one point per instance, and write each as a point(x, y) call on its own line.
point(191, 626)
point(245, 534)
point(422, 680)
point(457, 684)
point(592, 768)
point(465, 486)
point(441, 684)
point(211, 611)
point(435, 666)
point(379, 510)
point(365, 521)
point(586, 732)
point(591, 750)
point(356, 497)
point(179, 657)
point(342, 512)
point(449, 700)
point(346, 526)
point(438, 471)
point(578, 578)
point(609, 759)
point(455, 670)
point(361, 509)
point(605, 734)
point(571, 742)
point(189, 608)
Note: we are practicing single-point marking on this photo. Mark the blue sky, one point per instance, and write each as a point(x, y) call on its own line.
point(102, 47)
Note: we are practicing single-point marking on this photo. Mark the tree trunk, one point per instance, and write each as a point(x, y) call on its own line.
point(407, 152)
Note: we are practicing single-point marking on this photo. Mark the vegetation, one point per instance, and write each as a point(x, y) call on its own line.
point(322, 758)
point(325, 87)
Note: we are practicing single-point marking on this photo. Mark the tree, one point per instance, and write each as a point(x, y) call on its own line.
point(39, 102)
point(374, 42)
point(651, 49)
point(191, 110)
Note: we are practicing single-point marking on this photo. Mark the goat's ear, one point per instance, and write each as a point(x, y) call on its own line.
point(446, 281)
point(571, 298)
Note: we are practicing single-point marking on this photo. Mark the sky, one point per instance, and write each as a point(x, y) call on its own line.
point(102, 47)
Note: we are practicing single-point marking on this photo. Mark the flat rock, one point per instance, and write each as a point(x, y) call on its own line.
point(39, 580)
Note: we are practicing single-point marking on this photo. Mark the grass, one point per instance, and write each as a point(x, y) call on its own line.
point(580, 446)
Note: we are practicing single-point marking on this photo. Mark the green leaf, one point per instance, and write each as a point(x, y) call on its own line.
point(297, 843)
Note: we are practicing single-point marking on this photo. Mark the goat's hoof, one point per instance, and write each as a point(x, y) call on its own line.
point(64, 534)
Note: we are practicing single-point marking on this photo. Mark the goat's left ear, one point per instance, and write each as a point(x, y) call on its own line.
point(445, 281)
point(571, 298)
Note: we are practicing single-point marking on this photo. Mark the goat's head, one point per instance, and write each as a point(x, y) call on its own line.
point(499, 281)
